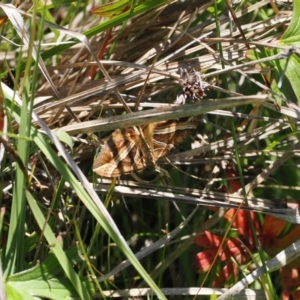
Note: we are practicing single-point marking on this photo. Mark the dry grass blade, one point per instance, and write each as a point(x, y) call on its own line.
point(199, 197)
point(191, 291)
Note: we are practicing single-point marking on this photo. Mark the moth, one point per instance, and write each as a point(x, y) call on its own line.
point(134, 149)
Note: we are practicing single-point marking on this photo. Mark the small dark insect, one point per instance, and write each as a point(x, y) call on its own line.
point(8, 80)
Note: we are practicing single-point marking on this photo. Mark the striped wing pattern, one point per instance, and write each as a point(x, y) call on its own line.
point(132, 150)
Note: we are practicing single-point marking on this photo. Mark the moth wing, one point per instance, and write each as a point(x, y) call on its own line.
point(119, 155)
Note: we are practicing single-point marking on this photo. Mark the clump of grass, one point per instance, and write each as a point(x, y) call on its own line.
point(77, 77)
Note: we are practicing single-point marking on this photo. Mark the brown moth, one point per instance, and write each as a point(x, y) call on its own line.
point(133, 149)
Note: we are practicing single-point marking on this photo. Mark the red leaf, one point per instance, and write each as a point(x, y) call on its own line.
point(225, 273)
point(273, 226)
point(273, 245)
point(208, 240)
point(111, 9)
point(242, 223)
point(290, 283)
point(204, 259)
point(234, 184)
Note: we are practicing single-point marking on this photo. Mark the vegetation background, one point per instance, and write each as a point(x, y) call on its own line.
point(67, 77)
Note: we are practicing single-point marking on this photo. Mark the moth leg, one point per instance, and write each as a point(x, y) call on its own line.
point(139, 179)
point(164, 174)
point(160, 172)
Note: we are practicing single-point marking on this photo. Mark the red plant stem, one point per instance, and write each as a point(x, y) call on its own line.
point(101, 53)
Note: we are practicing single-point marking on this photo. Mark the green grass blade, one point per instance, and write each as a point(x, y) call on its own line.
point(56, 247)
point(94, 205)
